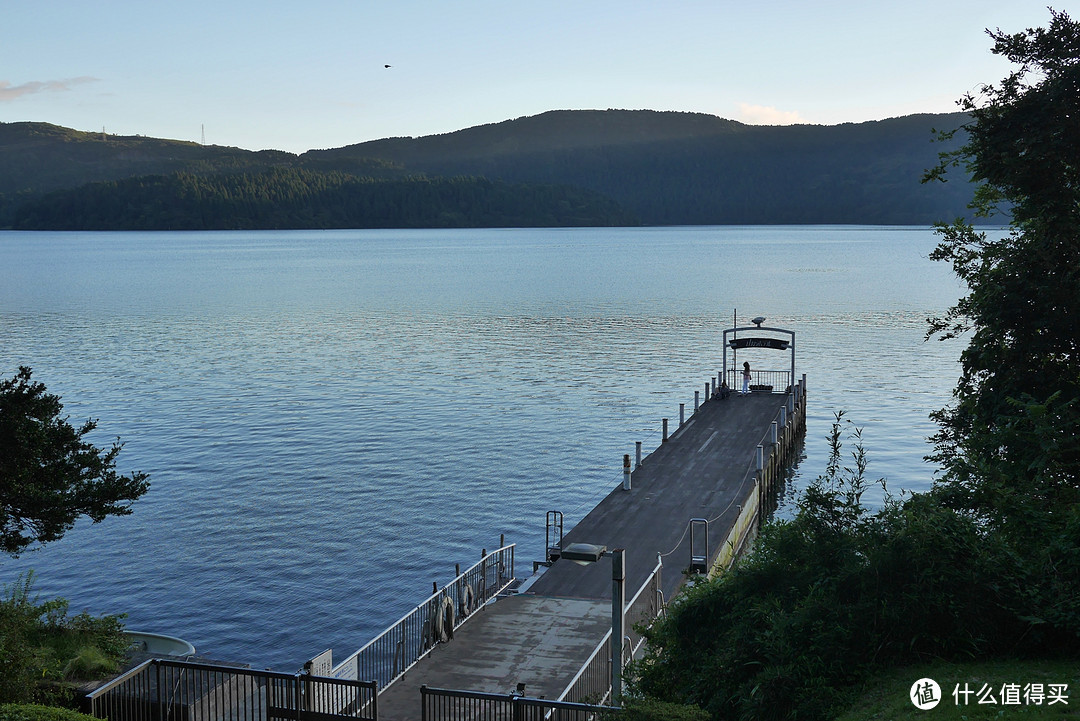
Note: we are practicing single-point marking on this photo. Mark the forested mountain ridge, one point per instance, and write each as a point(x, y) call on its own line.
point(660, 167)
point(555, 130)
point(689, 168)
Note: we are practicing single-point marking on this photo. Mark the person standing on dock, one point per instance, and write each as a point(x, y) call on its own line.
point(745, 378)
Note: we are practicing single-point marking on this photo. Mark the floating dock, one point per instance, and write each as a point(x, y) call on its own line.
point(690, 505)
point(490, 645)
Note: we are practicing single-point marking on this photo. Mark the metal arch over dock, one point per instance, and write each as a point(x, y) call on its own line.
point(549, 639)
point(733, 342)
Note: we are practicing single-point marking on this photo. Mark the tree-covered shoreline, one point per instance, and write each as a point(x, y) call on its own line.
point(986, 565)
point(291, 198)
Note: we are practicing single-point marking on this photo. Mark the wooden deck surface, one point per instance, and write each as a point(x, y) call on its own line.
point(540, 637)
point(703, 471)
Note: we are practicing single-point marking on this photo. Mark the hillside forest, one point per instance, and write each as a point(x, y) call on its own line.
point(561, 168)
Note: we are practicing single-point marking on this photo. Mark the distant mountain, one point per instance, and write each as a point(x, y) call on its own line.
point(662, 168)
point(689, 168)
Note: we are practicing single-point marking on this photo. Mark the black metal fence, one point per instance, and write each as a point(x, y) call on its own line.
point(439, 704)
point(158, 690)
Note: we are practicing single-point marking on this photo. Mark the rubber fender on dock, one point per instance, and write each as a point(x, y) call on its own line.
point(444, 619)
point(468, 601)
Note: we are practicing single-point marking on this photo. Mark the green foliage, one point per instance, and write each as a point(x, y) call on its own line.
point(290, 198)
point(42, 646)
point(645, 709)
point(840, 591)
point(35, 712)
point(987, 564)
point(49, 475)
point(89, 662)
point(1010, 444)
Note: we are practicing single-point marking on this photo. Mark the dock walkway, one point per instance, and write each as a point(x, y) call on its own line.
point(541, 636)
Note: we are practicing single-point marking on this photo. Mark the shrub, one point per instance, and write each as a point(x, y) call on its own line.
point(642, 709)
point(33, 712)
point(838, 592)
point(41, 647)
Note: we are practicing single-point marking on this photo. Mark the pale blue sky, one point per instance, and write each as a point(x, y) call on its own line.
point(296, 76)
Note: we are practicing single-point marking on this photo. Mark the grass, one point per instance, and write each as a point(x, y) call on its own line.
point(886, 698)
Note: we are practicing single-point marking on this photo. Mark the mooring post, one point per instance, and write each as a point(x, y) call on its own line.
point(626, 472)
point(664, 437)
point(760, 485)
point(638, 452)
point(783, 416)
point(775, 435)
point(682, 414)
point(697, 397)
point(707, 396)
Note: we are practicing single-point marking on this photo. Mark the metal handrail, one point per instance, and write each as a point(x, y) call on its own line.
point(389, 655)
point(797, 400)
point(584, 683)
point(122, 678)
point(587, 682)
point(440, 704)
point(158, 689)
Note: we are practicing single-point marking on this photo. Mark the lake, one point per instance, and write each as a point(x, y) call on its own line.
point(332, 419)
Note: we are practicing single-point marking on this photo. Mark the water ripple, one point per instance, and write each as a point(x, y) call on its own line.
point(331, 421)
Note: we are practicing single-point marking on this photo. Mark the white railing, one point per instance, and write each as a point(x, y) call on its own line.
point(592, 683)
point(389, 655)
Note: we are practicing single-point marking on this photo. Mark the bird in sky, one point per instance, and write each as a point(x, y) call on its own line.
point(386, 66)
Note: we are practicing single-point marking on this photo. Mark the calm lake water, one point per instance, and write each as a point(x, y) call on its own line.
point(332, 420)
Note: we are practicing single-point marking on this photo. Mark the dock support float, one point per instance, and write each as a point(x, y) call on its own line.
point(771, 459)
